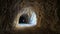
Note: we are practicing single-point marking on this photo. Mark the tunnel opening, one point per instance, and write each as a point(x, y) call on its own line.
point(24, 19)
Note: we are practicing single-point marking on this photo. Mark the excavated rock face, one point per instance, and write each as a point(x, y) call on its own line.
point(46, 18)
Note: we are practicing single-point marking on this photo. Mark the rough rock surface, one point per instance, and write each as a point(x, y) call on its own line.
point(48, 14)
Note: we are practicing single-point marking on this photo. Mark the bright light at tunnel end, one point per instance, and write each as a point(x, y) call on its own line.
point(33, 18)
point(32, 21)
